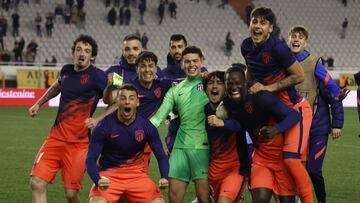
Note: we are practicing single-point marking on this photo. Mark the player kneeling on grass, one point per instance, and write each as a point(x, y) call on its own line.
point(120, 139)
point(266, 118)
point(228, 150)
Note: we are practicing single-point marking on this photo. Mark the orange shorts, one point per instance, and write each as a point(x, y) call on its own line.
point(231, 186)
point(296, 141)
point(131, 183)
point(147, 157)
point(56, 154)
point(273, 176)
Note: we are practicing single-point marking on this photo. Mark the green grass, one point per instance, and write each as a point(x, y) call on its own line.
point(22, 136)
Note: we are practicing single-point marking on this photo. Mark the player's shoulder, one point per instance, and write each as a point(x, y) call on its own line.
point(68, 67)
point(144, 122)
point(246, 44)
point(113, 68)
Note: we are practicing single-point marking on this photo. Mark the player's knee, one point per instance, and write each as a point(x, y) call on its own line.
point(37, 184)
point(203, 198)
point(71, 194)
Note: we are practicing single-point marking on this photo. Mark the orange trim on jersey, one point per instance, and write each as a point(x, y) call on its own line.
point(271, 79)
point(358, 101)
point(317, 155)
point(327, 78)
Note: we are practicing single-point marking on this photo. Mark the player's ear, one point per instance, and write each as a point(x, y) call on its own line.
point(271, 27)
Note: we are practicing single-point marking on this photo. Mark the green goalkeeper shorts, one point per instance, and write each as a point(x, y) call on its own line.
point(189, 164)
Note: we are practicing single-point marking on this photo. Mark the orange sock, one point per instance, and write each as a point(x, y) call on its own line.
point(301, 178)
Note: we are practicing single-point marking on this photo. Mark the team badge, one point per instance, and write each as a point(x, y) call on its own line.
point(84, 79)
point(249, 107)
point(266, 57)
point(200, 87)
point(139, 135)
point(157, 92)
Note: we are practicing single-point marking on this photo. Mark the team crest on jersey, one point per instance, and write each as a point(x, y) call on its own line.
point(84, 79)
point(249, 107)
point(200, 87)
point(266, 57)
point(174, 83)
point(157, 92)
point(139, 135)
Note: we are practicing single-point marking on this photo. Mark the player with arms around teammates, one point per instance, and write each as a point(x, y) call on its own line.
point(190, 156)
point(272, 67)
point(81, 86)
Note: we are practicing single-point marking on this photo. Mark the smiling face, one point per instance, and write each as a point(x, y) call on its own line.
point(82, 55)
point(146, 72)
point(235, 85)
point(127, 105)
point(297, 42)
point(176, 49)
point(132, 49)
point(215, 90)
point(192, 64)
point(260, 30)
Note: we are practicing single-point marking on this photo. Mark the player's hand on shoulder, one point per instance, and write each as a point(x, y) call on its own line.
point(257, 87)
point(110, 78)
point(335, 133)
point(204, 74)
point(33, 111)
point(267, 132)
point(103, 183)
point(163, 183)
point(214, 121)
point(90, 122)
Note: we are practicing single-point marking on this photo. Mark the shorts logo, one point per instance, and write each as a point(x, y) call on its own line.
point(266, 57)
point(84, 79)
point(200, 87)
point(157, 92)
point(139, 135)
point(249, 107)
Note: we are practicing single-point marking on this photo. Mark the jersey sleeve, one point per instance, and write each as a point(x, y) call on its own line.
point(324, 77)
point(60, 75)
point(96, 145)
point(157, 148)
point(165, 108)
point(232, 125)
point(101, 82)
point(287, 116)
point(283, 55)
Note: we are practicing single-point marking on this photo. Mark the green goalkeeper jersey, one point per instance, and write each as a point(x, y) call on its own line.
point(189, 98)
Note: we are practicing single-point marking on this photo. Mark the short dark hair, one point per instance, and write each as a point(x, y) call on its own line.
point(265, 13)
point(218, 74)
point(237, 67)
point(178, 37)
point(132, 37)
point(192, 50)
point(87, 39)
point(128, 87)
point(146, 56)
point(299, 29)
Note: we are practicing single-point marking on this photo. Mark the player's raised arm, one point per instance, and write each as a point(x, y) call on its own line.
point(165, 108)
point(52, 92)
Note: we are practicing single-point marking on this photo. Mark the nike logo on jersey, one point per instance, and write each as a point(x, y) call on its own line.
point(181, 93)
point(113, 136)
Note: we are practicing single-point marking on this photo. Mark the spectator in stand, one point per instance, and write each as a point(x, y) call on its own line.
point(15, 23)
point(248, 10)
point(38, 20)
point(2, 38)
point(49, 25)
point(142, 9)
point(80, 5)
point(3, 24)
point(344, 25)
point(67, 14)
point(111, 17)
point(223, 3)
point(69, 2)
point(161, 11)
point(53, 60)
point(17, 51)
point(58, 11)
point(32, 47)
point(127, 15)
point(172, 9)
point(144, 40)
point(6, 5)
point(229, 43)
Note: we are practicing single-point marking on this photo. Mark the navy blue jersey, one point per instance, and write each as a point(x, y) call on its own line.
point(120, 145)
point(151, 99)
point(80, 93)
point(228, 148)
point(128, 71)
point(268, 64)
point(357, 80)
point(262, 109)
